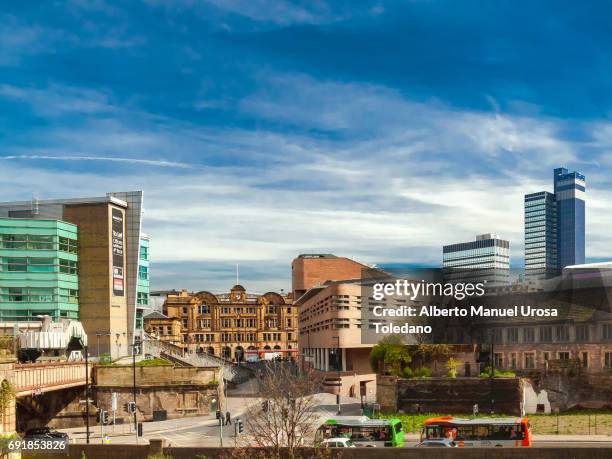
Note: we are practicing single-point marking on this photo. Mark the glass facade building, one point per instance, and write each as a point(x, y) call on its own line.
point(142, 286)
point(540, 235)
point(555, 226)
point(570, 191)
point(486, 258)
point(39, 267)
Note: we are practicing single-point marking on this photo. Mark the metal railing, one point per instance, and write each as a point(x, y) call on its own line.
point(232, 372)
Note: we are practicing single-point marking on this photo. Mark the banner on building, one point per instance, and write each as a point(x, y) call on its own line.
point(118, 250)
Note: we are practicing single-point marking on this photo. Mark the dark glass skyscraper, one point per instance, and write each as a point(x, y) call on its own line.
point(569, 194)
point(554, 226)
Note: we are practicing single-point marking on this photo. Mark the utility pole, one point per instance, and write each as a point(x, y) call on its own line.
point(87, 393)
point(134, 388)
point(492, 379)
point(338, 368)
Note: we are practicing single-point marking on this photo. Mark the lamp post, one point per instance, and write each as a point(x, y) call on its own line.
point(86, 394)
point(336, 361)
point(492, 375)
point(134, 346)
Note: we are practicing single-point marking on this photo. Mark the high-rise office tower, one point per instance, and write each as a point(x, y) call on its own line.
point(540, 235)
point(554, 226)
point(486, 258)
point(569, 193)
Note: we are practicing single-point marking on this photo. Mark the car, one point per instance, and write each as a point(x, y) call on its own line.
point(45, 432)
point(437, 443)
point(337, 443)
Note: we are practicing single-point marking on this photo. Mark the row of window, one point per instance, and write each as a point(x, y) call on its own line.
point(529, 361)
point(38, 242)
point(143, 272)
point(548, 334)
point(144, 253)
point(39, 265)
point(225, 337)
point(39, 295)
point(236, 323)
point(206, 309)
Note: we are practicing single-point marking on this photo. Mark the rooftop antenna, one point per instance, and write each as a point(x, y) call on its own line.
point(237, 276)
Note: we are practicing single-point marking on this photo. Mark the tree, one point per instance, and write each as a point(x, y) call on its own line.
point(390, 355)
point(286, 419)
point(452, 365)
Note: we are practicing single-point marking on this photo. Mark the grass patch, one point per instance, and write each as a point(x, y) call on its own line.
point(156, 362)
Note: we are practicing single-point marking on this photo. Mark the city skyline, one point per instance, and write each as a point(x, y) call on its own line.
point(256, 135)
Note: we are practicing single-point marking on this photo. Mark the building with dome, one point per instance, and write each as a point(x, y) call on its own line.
point(235, 325)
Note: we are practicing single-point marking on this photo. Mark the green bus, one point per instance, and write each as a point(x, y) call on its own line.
point(363, 431)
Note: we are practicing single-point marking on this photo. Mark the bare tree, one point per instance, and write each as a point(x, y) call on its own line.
point(286, 418)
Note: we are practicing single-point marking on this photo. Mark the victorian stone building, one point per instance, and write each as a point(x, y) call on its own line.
point(235, 325)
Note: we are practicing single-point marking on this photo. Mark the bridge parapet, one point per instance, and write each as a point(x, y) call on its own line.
point(36, 378)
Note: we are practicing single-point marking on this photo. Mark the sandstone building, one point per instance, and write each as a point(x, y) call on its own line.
point(233, 325)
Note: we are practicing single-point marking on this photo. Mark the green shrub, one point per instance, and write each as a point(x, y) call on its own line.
point(422, 372)
point(497, 373)
point(407, 372)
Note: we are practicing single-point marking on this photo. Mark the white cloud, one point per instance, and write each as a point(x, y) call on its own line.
point(57, 100)
point(147, 162)
point(395, 181)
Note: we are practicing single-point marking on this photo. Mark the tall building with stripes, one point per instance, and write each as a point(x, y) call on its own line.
point(555, 226)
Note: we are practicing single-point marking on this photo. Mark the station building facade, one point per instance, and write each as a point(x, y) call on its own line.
point(230, 325)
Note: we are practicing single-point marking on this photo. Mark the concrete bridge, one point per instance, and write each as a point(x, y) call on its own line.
point(35, 384)
point(38, 378)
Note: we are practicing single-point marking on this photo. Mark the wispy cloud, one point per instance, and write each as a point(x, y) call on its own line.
point(278, 12)
point(147, 162)
point(57, 100)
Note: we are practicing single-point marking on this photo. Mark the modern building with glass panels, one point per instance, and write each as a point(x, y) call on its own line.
point(570, 188)
point(540, 235)
point(110, 271)
point(486, 258)
point(39, 268)
point(142, 287)
point(555, 226)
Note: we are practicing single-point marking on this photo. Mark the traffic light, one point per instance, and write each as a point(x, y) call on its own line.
point(105, 417)
point(131, 407)
point(265, 405)
point(239, 426)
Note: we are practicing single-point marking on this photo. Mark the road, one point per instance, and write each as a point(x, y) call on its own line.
point(204, 430)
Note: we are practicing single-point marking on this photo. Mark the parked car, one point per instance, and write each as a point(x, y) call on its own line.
point(337, 443)
point(437, 443)
point(45, 432)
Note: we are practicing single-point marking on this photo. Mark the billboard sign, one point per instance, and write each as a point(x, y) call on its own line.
point(118, 246)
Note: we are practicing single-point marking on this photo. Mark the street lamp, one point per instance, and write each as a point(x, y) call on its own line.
point(336, 362)
point(134, 349)
point(86, 393)
point(492, 374)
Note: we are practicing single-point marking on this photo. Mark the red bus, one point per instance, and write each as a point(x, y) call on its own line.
point(504, 432)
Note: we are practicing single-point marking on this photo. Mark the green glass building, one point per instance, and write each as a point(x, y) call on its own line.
point(39, 267)
point(142, 286)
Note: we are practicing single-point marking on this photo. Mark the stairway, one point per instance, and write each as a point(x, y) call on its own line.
point(231, 371)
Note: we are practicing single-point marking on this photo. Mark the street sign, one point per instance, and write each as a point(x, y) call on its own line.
point(85, 401)
point(114, 401)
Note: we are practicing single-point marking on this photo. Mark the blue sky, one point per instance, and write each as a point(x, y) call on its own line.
point(261, 129)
